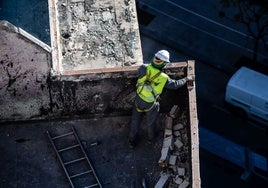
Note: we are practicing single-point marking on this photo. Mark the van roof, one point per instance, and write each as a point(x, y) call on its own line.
point(250, 81)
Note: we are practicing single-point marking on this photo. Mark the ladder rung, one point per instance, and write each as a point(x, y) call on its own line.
point(80, 174)
point(68, 148)
point(60, 136)
point(94, 185)
point(73, 161)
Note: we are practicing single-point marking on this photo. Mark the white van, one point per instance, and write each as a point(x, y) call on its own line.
point(248, 91)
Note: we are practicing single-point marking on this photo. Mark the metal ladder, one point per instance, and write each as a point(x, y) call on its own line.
point(74, 160)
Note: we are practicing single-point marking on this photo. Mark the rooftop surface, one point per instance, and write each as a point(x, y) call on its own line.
point(30, 161)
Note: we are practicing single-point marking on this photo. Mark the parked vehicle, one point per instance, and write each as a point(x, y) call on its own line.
point(247, 91)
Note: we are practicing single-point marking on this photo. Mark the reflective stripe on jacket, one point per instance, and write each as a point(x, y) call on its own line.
point(151, 85)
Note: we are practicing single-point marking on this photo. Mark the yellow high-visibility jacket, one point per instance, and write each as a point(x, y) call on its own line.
point(150, 86)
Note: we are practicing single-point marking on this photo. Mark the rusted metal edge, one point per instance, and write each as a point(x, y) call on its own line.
point(196, 181)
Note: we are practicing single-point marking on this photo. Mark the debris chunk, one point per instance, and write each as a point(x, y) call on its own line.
point(167, 146)
point(174, 112)
point(168, 122)
point(172, 159)
point(184, 184)
point(177, 133)
point(178, 180)
point(177, 127)
point(167, 133)
point(181, 171)
point(178, 143)
point(163, 181)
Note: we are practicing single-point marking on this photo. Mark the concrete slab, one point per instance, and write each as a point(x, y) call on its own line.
point(88, 35)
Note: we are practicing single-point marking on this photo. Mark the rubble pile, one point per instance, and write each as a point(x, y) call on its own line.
point(98, 34)
point(175, 159)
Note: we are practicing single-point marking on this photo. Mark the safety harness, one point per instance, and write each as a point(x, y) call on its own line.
point(148, 83)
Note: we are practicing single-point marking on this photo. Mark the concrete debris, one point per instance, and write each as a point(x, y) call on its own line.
point(167, 133)
point(181, 171)
point(178, 143)
point(178, 180)
point(177, 133)
point(163, 181)
point(175, 160)
point(174, 111)
point(184, 184)
point(167, 146)
point(172, 160)
point(178, 127)
point(168, 122)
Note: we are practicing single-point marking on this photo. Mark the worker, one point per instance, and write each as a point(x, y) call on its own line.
point(150, 84)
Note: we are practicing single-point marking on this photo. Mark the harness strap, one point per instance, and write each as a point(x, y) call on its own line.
point(150, 80)
point(144, 110)
point(154, 77)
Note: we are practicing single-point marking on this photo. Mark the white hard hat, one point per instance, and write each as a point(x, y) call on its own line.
point(163, 55)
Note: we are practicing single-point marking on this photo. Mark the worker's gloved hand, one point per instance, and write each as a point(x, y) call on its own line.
point(190, 78)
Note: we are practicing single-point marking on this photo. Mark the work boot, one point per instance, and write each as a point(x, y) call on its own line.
point(131, 144)
point(149, 141)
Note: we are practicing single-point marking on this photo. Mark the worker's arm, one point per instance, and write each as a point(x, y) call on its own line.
point(175, 84)
point(142, 70)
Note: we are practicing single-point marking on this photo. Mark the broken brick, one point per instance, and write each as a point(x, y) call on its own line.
point(181, 171)
point(163, 181)
point(184, 184)
point(172, 159)
point(174, 112)
point(177, 127)
point(178, 143)
point(168, 122)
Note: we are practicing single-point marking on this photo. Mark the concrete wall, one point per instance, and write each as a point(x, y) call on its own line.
point(24, 69)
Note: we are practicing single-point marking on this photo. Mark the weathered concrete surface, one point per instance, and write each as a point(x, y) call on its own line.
point(24, 69)
point(90, 34)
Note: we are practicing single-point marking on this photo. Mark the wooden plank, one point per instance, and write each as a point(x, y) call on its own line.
point(196, 182)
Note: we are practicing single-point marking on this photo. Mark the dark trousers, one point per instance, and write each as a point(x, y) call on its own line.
point(136, 120)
